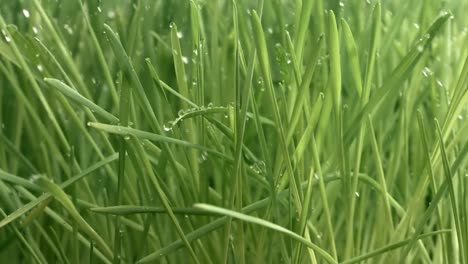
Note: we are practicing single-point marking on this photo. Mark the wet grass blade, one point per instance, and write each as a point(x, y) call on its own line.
point(63, 198)
point(81, 100)
point(269, 225)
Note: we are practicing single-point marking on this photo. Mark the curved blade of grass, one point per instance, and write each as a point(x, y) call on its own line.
point(400, 73)
point(303, 25)
point(29, 247)
point(380, 173)
point(125, 131)
point(138, 150)
point(391, 247)
point(304, 88)
point(427, 153)
point(263, 59)
point(100, 54)
point(62, 197)
point(81, 100)
point(36, 88)
point(5, 176)
point(435, 201)
point(364, 95)
point(135, 209)
point(333, 42)
point(127, 66)
point(323, 196)
point(453, 200)
point(352, 56)
point(269, 225)
point(24, 209)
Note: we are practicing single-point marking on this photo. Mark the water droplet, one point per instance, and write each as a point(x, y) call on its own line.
point(427, 72)
point(210, 104)
point(7, 37)
point(259, 167)
point(111, 14)
point(26, 13)
point(181, 112)
point(357, 194)
point(184, 60)
point(270, 30)
point(316, 176)
point(341, 4)
point(127, 137)
point(68, 29)
point(420, 48)
point(39, 68)
point(35, 30)
point(260, 83)
point(204, 155)
point(99, 9)
point(180, 35)
point(168, 127)
point(416, 25)
point(34, 177)
point(460, 117)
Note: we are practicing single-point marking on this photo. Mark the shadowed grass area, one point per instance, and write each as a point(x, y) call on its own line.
point(204, 131)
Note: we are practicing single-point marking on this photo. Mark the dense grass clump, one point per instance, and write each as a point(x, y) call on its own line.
point(241, 131)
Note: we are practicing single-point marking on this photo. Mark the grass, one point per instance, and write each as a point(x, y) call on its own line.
point(233, 131)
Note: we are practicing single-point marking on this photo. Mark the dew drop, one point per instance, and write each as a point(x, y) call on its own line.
point(168, 127)
point(427, 72)
point(34, 177)
point(26, 13)
point(181, 112)
point(68, 29)
point(39, 68)
point(7, 37)
point(99, 9)
point(180, 35)
point(204, 155)
point(420, 48)
point(184, 60)
point(111, 14)
point(357, 194)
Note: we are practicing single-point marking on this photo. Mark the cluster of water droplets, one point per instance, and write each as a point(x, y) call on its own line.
point(182, 114)
point(259, 167)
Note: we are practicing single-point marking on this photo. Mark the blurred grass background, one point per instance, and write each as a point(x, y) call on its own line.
point(304, 131)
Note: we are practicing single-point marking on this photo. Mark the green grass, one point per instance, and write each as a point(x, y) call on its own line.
point(235, 131)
